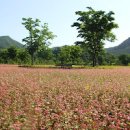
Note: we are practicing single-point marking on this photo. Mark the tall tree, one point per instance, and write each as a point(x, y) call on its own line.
point(94, 27)
point(38, 36)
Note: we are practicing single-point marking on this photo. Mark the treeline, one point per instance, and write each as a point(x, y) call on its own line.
point(73, 55)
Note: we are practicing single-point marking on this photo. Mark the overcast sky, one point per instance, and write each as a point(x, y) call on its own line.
point(60, 15)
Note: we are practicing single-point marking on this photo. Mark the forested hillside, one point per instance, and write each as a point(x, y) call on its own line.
point(123, 48)
point(6, 42)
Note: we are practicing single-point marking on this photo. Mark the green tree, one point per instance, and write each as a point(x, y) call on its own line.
point(64, 55)
point(124, 59)
point(110, 59)
point(101, 58)
point(4, 56)
point(23, 56)
point(75, 54)
point(45, 55)
point(38, 36)
point(56, 51)
point(70, 54)
point(94, 27)
point(12, 54)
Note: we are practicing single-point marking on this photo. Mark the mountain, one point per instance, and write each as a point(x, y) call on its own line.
point(123, 48)
point(6, 41)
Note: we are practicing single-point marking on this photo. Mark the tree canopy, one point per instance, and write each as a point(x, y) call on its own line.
point(39, 35)
point(94, 27)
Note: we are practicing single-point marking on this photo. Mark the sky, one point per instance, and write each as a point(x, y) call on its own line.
point(60, 15)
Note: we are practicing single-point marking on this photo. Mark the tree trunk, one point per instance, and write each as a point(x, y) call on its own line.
point(32, 59)
point(94, 60)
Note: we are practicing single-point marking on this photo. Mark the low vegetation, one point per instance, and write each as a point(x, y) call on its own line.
point(76, 99)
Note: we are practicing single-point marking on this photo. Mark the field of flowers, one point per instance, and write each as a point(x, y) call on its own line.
point(64, 99)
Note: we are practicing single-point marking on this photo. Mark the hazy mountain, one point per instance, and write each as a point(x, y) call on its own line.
point(123, 48)
point(6, 41)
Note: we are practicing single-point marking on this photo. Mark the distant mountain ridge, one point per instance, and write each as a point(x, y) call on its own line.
point(6, 41)
point(123, 48)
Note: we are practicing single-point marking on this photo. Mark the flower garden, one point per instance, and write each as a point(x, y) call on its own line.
point(64, 99)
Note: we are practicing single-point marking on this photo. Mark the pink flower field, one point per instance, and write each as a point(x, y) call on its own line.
point(64, 99)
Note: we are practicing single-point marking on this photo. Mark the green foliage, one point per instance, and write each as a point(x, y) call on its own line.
point(45, 55)
point(64, 55)
point(3, 56)
point(8, 55)
point(38, 36)
point(23, 56)
point(75, 54)
point(12, 52)
point(56, 51)
point(110, 59)
point(94, 27)
point(70, 54)
point(124, 59)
